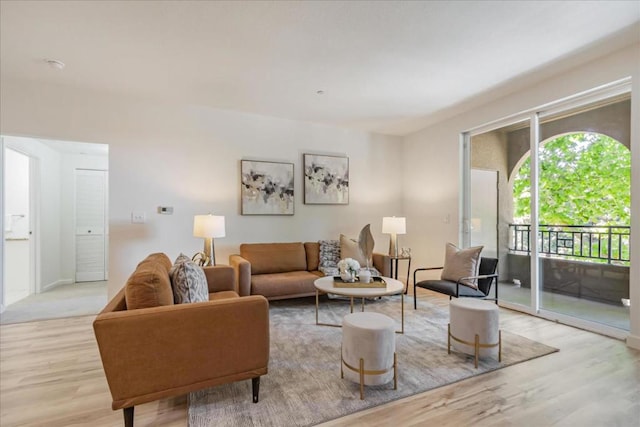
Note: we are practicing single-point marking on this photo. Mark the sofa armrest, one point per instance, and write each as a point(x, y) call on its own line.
point(242, 268)
point(220, 278)
point(158, 352)
point(382, 263)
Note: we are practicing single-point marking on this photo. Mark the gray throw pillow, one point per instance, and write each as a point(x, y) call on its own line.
point(329, 253)
point(188, 281)
point(460, 263)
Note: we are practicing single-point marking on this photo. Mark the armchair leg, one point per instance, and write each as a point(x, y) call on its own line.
point(415, 304)
point(128, 416)
point(255, 388)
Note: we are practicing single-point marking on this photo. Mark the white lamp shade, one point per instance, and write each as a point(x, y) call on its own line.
point(208, 226)
point(394, 225)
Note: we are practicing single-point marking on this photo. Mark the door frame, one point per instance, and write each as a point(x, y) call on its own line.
point(34, 223)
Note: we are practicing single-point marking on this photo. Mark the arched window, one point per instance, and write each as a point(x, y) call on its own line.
point(584, 179)
point(584, 198)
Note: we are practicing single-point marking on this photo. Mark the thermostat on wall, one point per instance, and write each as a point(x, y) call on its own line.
point(165, 210)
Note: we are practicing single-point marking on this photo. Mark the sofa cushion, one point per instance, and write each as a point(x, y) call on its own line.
point(330, 271)
point(460, 263)
point(216, 296)
point(267, 258)
point(188, 281)
point(313, 255)
point(290, 284)
point(149, 285)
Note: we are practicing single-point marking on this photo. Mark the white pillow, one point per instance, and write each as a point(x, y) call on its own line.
point(460, 263)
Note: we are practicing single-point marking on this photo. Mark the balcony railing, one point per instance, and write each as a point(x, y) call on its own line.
point(593, 243)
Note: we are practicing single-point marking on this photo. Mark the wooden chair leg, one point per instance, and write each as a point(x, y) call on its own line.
point(255, 388)
point(128, 416)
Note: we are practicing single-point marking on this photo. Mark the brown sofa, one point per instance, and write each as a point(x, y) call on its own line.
point(152, 348)
point(284, 270)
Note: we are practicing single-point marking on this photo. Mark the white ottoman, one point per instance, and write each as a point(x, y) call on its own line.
point(369, 350)
point(474, 328)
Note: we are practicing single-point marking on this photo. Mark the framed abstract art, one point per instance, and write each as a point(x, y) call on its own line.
point(326, 180)
point(266, 188)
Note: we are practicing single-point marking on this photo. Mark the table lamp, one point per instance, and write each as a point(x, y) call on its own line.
point(208, 227)
point(394, 226)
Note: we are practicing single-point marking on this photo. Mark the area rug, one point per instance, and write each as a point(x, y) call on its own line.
point(303, 386)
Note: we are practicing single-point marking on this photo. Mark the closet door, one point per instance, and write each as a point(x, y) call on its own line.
point(91, 225)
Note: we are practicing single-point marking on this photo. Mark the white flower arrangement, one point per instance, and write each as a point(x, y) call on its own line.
point(349, 265)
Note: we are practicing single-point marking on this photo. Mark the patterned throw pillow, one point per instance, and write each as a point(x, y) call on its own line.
point(188, 281)
point(460, 263)
point(329, 257)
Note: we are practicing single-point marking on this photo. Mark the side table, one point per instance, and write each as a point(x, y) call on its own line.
point(394, 269)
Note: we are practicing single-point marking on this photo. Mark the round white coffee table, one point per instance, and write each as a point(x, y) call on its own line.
point(325, 285)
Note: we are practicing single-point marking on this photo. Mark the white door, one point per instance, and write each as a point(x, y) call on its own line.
point(484, 211)
point(91, 225)
point(18, 238)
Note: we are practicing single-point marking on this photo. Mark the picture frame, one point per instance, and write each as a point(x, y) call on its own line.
point(326, 180)
point(266, 188)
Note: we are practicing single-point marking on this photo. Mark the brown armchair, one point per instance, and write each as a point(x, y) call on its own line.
point(168, 350)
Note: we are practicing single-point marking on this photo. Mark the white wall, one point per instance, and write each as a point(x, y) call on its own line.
point(433, 167)
point(188, 157)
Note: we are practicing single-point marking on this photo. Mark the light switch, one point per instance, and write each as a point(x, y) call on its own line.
point(138, 217)
point(165, 210)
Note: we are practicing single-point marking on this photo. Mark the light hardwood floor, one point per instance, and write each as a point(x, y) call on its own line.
point(51, 375)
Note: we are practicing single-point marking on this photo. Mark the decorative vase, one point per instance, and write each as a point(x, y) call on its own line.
point(365, 276)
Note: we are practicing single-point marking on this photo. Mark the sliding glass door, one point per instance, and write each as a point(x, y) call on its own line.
point(562, 208)
point(584, 214)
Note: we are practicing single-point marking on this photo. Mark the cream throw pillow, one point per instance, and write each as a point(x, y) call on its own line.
point(460, 263)
point(351, 249)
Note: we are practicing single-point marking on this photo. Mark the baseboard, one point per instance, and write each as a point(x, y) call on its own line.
point(633, 341)
point(56, 284)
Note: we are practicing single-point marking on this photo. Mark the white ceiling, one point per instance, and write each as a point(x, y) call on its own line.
point(77, 147)
point(384, 66)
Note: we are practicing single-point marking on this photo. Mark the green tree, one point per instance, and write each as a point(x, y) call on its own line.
point(585, 179)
